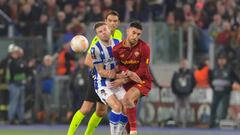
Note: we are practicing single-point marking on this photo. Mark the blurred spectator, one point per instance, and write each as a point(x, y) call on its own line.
point(201, 74)
point(81, 11)
point(65, 67)
point(221, 79)
point(78, 84)
point(26, 19)
point(182, 84)
point(60, 24)
point(141, 11)
point(158, 8)
point(223, 41)
point(68, 12)
point(235, 44)
point(5, 7)
point(4, 99)
point(95, 13)
point(221, 9)
point(16, 76)
point(107, 6)
point(210, 9)
point(75, 27)
point(14, 10)
point(235, 21)
point(216, 26)
point(120, 8)
point(45, 85)
point(200, 17)
point(189, 23)
point(129, 8)
point(170, 6)
point(41, 26)
point(51, 9)
point(224, 37)
point(36, 8)
point(65, 60)
point(173, 34)
point(30, 90)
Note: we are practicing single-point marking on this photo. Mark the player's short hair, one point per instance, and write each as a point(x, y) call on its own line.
point(112, 12)
point(136, 24)
point(98, 24)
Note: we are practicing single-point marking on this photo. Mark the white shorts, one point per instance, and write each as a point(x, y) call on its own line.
point(105, 92)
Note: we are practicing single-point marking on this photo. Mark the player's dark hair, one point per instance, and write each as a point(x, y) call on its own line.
point(136, 24)
point(112, 12)
point(98, 24)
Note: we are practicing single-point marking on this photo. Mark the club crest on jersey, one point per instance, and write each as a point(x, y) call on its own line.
point(93, 53)
point(137, 53)
point(103, 92)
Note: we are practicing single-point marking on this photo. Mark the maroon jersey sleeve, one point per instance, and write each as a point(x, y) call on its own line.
point(144, 62)
point(115, 52)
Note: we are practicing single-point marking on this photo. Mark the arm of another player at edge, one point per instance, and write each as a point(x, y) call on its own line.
point(88, 61)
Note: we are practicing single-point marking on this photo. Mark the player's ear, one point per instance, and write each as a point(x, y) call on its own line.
point(127, 30)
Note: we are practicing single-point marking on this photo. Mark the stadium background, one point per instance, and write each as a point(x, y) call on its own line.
point(169, 39)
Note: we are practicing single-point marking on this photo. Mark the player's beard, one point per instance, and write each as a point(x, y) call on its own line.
point(106, 40)
point(132, 42)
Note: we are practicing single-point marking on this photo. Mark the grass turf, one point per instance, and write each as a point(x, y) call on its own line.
point(64, 133)
point(104, 130)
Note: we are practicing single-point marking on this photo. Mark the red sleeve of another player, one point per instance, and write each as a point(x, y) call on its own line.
point(145, 59)
point(117, 58)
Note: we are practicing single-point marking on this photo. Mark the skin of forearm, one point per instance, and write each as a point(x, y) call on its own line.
point(107, 73)
point(88, 61)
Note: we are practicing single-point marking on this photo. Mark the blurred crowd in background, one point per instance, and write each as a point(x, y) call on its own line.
point(213, 21)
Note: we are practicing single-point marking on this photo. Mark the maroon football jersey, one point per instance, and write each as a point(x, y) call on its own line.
point(135, 59)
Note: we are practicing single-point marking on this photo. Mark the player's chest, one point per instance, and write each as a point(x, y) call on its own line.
point(128, 54)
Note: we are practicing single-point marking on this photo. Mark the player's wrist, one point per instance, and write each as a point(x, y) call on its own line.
point(111, 75)
point(124, 80)
point(129, 73)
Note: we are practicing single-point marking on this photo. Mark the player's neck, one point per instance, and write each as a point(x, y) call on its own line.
point(106, 42)
point(127, 44)
point(112, 32)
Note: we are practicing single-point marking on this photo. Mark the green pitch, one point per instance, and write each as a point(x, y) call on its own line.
point(104, 130)
point(64, 133)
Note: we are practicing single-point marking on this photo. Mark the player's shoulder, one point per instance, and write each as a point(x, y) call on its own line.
point(94, 41)
point(119, 45)
point(95, 46)
point(117, 34)
point(143, 43)
point(116, 41)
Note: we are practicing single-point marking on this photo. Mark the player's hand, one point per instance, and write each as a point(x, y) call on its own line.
point(116, 83)
point(133, 76)
point(111, 74)
point(121, 75)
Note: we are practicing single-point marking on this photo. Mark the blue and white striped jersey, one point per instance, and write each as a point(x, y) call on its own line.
point(103, 54)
